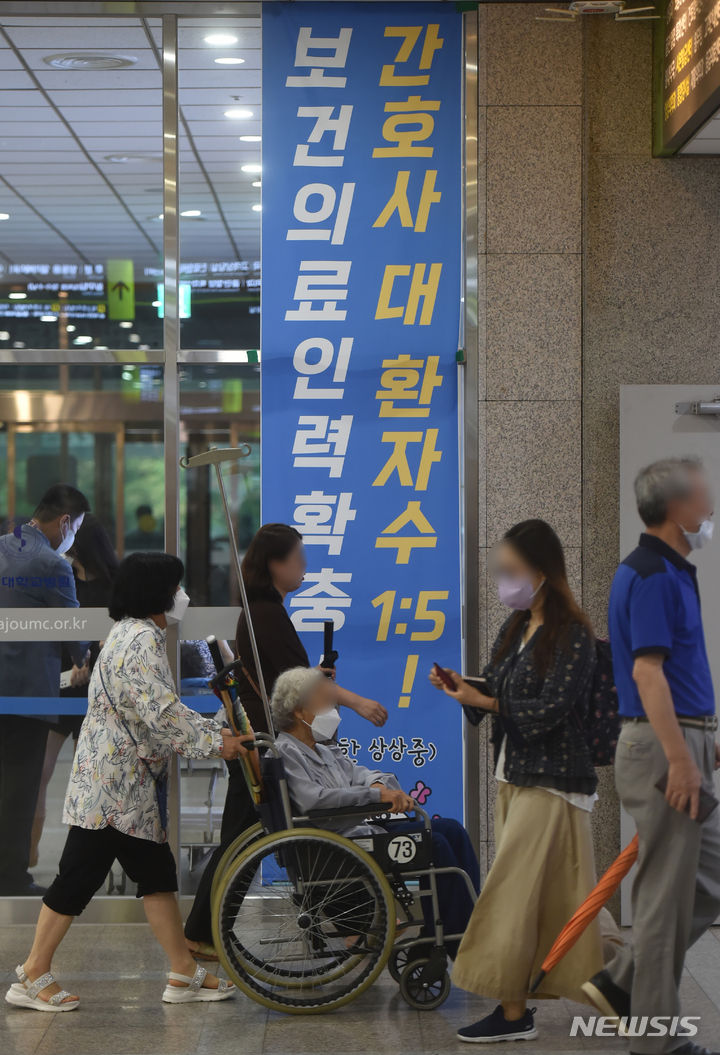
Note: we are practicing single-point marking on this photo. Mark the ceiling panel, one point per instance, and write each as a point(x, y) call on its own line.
point(59, 127)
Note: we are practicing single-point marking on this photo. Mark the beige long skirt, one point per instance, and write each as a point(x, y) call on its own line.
point(543, 869)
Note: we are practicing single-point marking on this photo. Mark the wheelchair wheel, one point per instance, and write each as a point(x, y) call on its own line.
point(424, 994)
point(236, 847)
point(401, 955)
point(313, 941)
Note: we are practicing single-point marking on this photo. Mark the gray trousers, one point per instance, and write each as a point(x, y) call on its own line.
point(676, 894)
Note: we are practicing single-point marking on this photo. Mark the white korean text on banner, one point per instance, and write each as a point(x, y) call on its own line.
point(362, 245)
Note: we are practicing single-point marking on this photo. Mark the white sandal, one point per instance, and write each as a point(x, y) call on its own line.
point(193, 988)
point(24, 993)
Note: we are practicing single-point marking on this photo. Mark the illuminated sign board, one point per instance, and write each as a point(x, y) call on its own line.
point(687, 70)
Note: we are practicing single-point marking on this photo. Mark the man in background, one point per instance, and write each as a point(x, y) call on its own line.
point(667, 706)
point(33, 574)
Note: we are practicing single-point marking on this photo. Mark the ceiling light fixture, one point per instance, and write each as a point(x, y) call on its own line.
point(17, 296)
point(71, 328)
point(125, 325)
point(191, 212)
point(83, 339)
point(48, 318)
point(4, 335)
point(238, 115)
point(88, 60)
point(230, 61)
point(251, 139)
point(257, 208)
point(4, 215)
point(253, 167)
point(221, 40)
point(256, 183)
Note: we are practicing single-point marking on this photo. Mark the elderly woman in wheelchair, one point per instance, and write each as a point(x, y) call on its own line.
point(306, 903)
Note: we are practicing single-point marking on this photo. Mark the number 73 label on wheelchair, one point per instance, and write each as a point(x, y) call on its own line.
point(402, 849)
point(410, 850)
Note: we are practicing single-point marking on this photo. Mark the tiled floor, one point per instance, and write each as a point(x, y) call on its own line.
point(118, 972)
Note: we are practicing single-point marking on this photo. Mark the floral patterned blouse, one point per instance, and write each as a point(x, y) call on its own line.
point(110, 784)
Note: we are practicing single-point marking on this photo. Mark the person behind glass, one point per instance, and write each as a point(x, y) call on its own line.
point(94, 564)
point(33, 574)
point(117, 792)
point(667, 705)
point(538, 685)
point(273, 567)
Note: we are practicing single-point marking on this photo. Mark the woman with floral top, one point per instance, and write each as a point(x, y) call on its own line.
point(537, 686)
point(116, 798)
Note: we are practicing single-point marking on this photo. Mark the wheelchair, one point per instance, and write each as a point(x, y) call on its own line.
point(305, 919)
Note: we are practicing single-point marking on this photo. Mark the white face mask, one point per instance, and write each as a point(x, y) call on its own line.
point(67, 541)
point(324, 726)
point(179, 607)
point(697, 539)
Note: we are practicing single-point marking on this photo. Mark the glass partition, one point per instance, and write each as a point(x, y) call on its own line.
point(87, 372)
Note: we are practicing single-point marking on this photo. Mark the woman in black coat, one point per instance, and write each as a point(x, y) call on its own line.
point(273, 567)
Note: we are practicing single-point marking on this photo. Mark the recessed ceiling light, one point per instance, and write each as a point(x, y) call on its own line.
point(4, 215)
point(83, 339)
point(4, 335)
point(134, 338)
point(101, 347)
point(251, 139)
point(88, 60)
point(230, 61)
point(191, 212)
point(17, 296)
point(48, 318)
point(157, 304)
point(256, 183)
point(125, 325)
point(71, 328)
point(254, 167)
point(257, 208)
point(239, 115)
point(18, 344)
point(221, 40)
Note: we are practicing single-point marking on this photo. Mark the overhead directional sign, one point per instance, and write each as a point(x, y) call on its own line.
point(120, 278)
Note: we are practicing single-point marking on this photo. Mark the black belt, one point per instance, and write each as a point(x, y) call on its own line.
point(708, 724)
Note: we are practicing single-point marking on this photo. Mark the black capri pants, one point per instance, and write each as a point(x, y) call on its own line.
point(87, 858)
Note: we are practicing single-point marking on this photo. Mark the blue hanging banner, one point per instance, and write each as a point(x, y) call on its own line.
point(361, 300)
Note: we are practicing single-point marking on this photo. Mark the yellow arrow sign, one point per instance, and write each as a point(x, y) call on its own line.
point(120, 276)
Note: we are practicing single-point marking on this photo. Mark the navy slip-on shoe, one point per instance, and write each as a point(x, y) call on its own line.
point(495, 1027)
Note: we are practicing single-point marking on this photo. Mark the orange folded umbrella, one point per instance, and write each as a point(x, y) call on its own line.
point(589, 909)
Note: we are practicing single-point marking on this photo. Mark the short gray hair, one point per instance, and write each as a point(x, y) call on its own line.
point(662, 482)
point(291, 691)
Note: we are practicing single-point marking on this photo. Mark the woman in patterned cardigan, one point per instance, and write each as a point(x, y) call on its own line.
point(537, 688)
point(116, 802)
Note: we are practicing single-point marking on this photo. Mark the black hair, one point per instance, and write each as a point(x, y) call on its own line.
point(145, 585)
point(539, 546)
point(94, 551)
point(61, 500)
point(192, 661)
point(271, 542)
point(143, 511)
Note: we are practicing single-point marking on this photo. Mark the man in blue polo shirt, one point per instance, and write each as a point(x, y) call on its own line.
point(668, 710)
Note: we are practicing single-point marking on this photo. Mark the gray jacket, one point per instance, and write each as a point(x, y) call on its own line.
point(325, 778)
